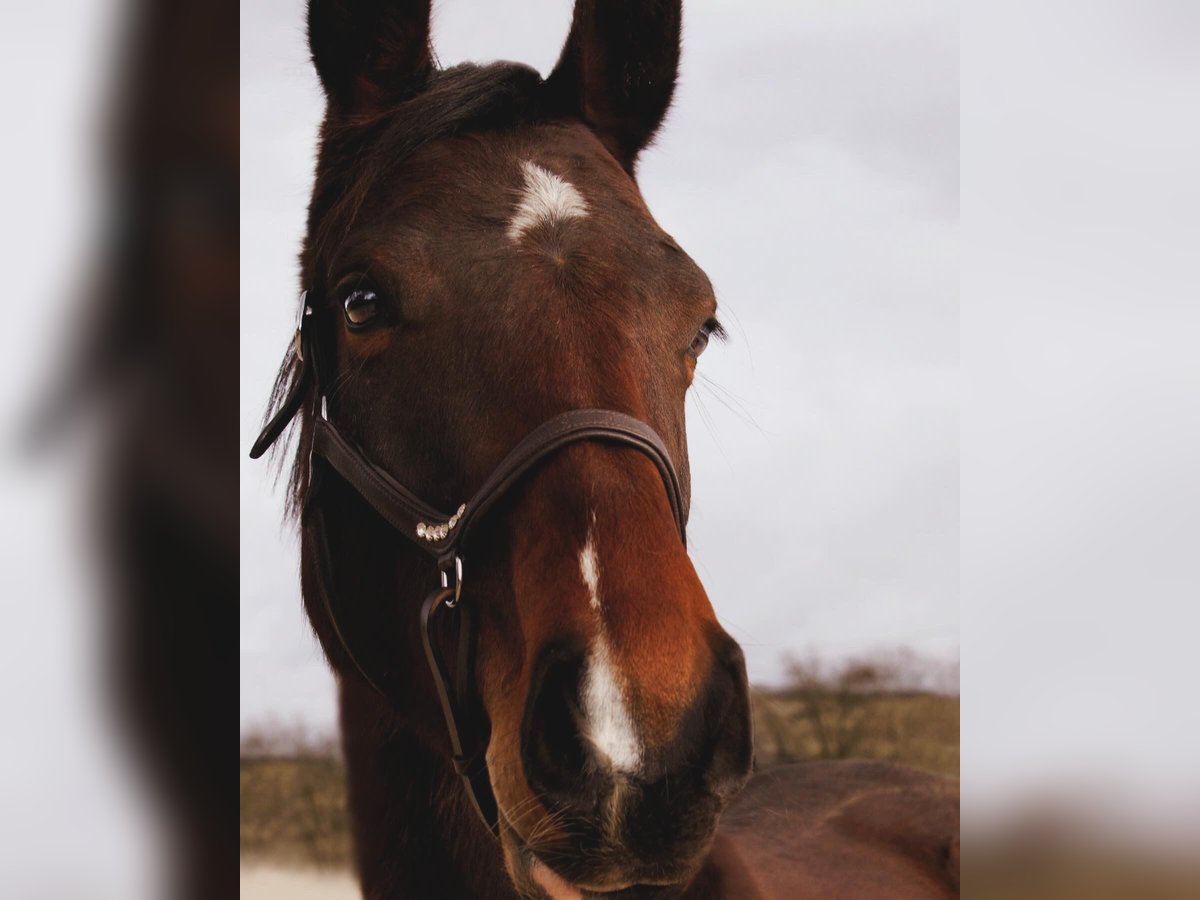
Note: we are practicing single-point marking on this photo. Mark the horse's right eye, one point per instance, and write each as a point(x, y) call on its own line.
point(361, 307)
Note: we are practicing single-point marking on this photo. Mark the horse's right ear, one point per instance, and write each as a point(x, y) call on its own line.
point(617, 71)
point(370, 54)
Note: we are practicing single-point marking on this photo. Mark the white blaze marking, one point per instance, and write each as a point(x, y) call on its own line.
point(589, 568)
point(545, 199)
point(609, 726)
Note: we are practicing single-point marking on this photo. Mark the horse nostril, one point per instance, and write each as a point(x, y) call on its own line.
point(552, 749)
point(729, 715)
point(678, 785)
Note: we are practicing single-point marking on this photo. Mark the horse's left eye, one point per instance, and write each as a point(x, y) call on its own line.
point(361, 307)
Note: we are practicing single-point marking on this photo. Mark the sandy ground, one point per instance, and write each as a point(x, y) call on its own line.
point(270, 883)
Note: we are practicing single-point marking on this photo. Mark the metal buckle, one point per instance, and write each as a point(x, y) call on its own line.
point(302, 310)
point(458, 580)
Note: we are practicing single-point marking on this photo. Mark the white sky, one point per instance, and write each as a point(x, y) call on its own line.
point(810, 166)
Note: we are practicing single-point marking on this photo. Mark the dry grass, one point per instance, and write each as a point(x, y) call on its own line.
point(917, 729)
point(293, 811)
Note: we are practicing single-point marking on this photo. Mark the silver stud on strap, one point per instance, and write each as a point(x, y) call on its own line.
point(440, 532)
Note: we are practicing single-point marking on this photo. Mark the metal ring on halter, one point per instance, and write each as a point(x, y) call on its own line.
point(458, 580)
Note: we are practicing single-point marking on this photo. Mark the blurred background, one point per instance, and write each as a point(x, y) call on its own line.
point(811, 166)
point(118, 449)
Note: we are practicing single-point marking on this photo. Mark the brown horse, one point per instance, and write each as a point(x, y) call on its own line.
point(479, 260)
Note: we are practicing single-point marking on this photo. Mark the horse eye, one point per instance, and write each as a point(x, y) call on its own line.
point(361, 307)
point(700, 341)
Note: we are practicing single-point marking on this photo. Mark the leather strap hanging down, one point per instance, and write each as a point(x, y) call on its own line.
point(443, 536)
point(470, 767)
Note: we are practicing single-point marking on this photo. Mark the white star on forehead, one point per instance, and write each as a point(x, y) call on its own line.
point(545, 199)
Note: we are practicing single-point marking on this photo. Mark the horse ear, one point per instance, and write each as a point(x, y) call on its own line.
point(370, 53)
point(617, 70)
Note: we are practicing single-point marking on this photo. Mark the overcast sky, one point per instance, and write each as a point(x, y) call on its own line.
point(809, 164)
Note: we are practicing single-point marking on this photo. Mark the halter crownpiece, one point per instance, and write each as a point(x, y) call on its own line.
point(443, 536)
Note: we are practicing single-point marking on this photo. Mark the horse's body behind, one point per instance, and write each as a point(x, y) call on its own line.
point(841, 829)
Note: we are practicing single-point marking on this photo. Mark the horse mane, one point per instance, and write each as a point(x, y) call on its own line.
point(356, 155)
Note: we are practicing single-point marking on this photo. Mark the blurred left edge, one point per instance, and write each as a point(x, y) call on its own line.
point(136, 379)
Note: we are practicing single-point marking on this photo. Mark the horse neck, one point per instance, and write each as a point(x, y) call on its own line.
point(415, 832)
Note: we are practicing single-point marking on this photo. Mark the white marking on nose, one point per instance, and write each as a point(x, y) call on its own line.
point(545, 199)
point(589, 568)
point(609, 727)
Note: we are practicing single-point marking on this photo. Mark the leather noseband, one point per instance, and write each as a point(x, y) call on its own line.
point(443, 536)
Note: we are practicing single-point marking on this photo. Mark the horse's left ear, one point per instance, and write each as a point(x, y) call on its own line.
point(617, 70)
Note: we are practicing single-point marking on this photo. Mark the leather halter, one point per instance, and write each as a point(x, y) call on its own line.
point(443, 536)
